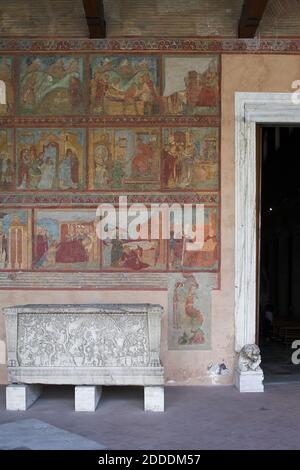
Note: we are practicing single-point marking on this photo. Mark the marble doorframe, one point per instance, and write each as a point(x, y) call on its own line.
point(251, 109)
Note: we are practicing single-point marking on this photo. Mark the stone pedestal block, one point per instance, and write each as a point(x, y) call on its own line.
point(21, 396)
point(87, 397)
point(154, 398)
point(249, 381)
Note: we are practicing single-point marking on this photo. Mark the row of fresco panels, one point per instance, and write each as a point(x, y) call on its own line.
point(67, 240)
point(132, 85)
point(101, 159)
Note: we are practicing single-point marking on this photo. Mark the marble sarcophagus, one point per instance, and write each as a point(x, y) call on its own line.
point(89, 345)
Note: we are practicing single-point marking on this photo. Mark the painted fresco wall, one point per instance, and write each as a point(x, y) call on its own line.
point(83, 124)
point(79, 129)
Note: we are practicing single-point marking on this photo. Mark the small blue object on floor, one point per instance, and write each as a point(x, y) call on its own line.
point(33, 434)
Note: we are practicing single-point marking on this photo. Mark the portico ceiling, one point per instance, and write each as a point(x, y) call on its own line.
point(146, 17)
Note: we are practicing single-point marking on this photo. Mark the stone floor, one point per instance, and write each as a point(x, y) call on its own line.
point(34, 434)
point(195, 418)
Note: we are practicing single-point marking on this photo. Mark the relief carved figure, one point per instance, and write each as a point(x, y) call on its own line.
point(89, 340)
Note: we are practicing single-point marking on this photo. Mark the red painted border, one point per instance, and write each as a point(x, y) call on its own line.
point(218, 44)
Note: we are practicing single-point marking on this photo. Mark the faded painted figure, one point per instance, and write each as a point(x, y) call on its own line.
point(66, 240)
point(50, 85)
point(190, 310)
point(191, 85)
point(190, 158)
point(49, 159)
point(183, 304)
point(6, 86)
point(15, 239)
point(124, 159)
point(124, 85)
point(7, 171)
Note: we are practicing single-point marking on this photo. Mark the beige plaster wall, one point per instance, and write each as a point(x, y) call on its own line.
point(246, 73)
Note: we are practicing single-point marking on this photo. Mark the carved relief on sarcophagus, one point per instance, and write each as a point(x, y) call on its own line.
point(91, 344)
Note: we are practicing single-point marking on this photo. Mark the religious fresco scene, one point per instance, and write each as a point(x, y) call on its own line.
point(51, 85)
point(6, 160)
point(186, 254)
point(190, 310)
point(124, 159)
point(191, 85)
point(6, 86)
point(190, 158)
point(89, 127)
point(49, 159)
point(66, 240)
point(124, 85)
point(133, 253)
point(15, 239)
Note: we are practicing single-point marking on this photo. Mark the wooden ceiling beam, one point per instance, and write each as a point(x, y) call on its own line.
point(94, 13)
point(251, 15)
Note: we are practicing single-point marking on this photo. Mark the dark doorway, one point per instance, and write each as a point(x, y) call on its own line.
point(279, 294)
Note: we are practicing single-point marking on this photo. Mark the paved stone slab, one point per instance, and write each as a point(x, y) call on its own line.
point(34, 434)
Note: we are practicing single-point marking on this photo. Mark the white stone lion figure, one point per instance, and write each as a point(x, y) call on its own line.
point(249, 358)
